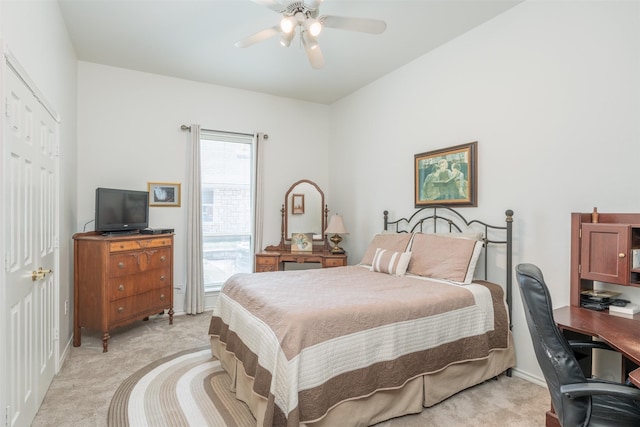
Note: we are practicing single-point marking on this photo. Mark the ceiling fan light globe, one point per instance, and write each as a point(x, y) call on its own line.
point(313, 26)
point(287, 24)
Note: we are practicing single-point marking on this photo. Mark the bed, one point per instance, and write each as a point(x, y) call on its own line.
point(424, 315)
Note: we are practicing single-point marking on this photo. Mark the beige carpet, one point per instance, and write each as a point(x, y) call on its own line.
point(90, 382)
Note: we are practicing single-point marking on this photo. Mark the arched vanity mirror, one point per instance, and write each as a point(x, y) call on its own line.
point(303, 217)
point(304, 211)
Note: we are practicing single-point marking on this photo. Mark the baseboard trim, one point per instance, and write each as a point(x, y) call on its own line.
point(65, 353)
point(528, 377)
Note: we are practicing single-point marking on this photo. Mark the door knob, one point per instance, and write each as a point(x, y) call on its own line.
point(39, 274)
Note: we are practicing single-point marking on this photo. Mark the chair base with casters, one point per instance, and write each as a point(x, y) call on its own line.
point(577, 400)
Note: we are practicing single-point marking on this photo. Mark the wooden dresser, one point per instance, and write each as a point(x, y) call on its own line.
point(120, 279)
point(274, 261)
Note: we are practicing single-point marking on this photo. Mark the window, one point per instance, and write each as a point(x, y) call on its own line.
point(227, 163)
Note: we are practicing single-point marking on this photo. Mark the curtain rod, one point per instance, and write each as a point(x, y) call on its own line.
point(185, 127)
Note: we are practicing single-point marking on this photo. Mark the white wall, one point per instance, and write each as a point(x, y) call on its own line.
point(129, 133)
point(551, 92)
point(36, 35)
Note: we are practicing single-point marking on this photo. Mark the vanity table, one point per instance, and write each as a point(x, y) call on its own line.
point(303, 211)
point(274, 261)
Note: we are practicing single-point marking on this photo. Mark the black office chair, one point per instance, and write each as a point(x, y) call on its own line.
point(577, 400)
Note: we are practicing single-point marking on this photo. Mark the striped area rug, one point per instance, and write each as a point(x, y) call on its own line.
point(185, 389)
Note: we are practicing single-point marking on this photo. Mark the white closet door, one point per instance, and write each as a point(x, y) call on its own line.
point(30, 204)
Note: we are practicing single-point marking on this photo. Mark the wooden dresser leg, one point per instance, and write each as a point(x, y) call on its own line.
point(171, 316)
point(77, 336)
point(105, 342)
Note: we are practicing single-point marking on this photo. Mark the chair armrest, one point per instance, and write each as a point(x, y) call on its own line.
point(590, 344)
point(571, 391)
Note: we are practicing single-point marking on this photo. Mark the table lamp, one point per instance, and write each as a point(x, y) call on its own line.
point(336, 227)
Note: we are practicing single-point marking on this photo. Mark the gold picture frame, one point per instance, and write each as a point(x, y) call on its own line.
point(448, 176)
point(165, 194)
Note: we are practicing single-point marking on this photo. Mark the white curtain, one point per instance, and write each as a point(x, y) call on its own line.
point(260, 138)
point(194, 294)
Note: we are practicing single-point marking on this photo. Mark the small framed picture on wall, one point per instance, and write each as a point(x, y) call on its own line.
point(164, 194)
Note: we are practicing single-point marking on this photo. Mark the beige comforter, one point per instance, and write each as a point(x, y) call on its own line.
point(312, 339)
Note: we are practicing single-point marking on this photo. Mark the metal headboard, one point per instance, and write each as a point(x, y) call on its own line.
point(428, 219)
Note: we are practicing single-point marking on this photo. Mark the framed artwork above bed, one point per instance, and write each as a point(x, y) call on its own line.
point(448, 176)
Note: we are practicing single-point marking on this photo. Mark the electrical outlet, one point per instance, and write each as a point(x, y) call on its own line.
point(66, 307)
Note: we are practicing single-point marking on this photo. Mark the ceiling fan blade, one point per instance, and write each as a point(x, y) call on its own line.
point(272, 4)
point(316, 58)
point(259, 36)
point(363, 25)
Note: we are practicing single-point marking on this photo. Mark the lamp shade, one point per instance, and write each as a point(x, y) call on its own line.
point(336, 225)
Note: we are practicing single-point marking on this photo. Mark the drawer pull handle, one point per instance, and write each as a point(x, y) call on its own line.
point(163, 258)
point(162, 297)
point(121, 288)
point(121, 264)
point(162, 278)
point(621, 255)
point(120, 309)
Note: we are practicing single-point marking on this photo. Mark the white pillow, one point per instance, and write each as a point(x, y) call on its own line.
point(389, 262)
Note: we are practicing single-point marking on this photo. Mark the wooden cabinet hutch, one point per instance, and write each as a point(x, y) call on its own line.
point(603, 251)
point(120, 279)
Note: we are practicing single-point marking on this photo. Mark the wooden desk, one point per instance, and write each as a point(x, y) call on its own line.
point(621, 333)
point(274, 261)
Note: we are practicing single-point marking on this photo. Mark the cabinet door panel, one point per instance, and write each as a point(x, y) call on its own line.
point(605, 253)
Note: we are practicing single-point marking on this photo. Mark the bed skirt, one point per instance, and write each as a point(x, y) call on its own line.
point(423, 391)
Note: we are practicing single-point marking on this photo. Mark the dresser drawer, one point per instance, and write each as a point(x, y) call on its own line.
point(139, 304)
point(266, 260)
point(121, 264)
point(131, 245)
point(126, 286)
point(266, 263)
point(335, 262)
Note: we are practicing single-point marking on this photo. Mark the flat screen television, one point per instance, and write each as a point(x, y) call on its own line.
point(121, 210)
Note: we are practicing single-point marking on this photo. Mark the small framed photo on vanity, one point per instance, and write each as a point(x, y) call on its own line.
point(302, 242)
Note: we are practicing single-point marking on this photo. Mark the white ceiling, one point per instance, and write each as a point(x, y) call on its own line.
point(194, 40)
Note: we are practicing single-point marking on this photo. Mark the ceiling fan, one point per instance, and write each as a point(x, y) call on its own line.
point(305, 17)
